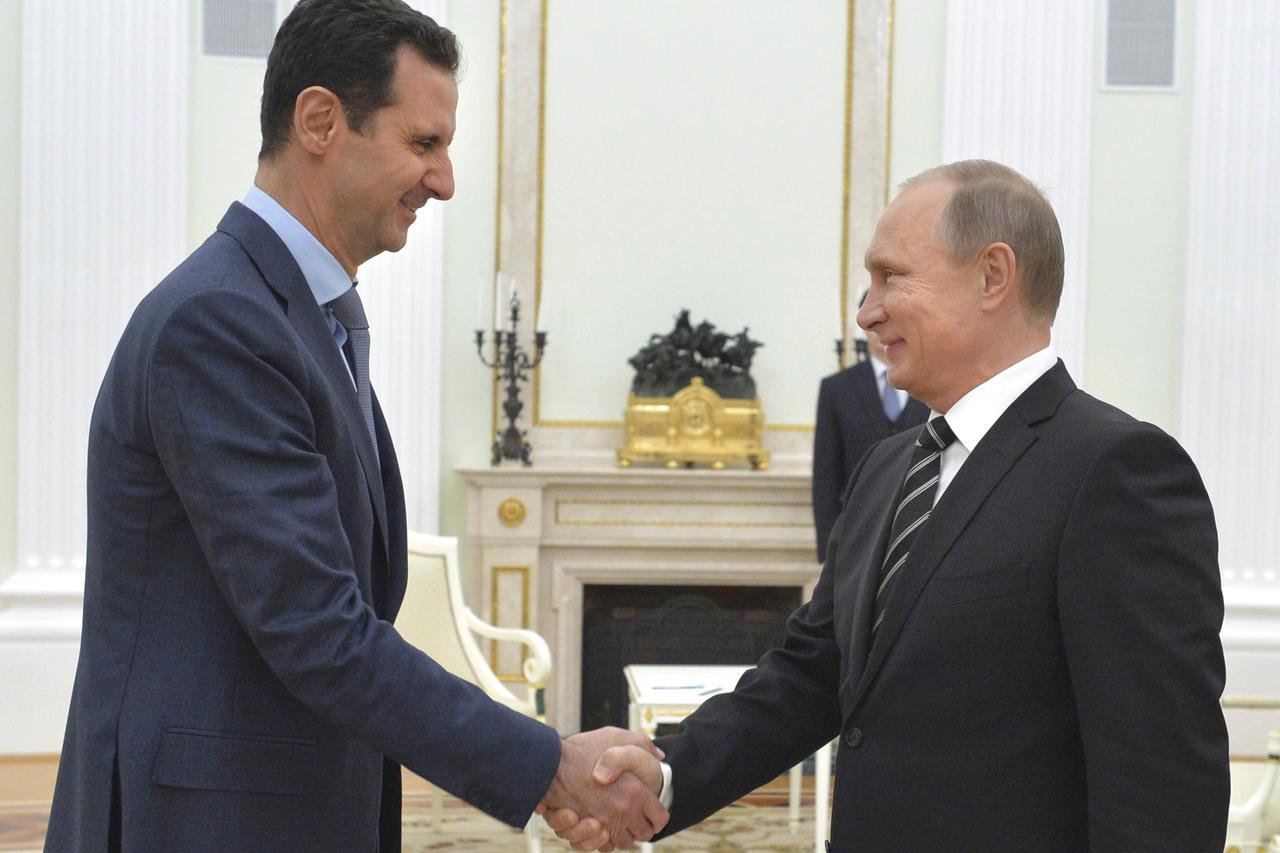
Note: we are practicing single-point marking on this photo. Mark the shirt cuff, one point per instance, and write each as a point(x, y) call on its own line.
point(666, 795)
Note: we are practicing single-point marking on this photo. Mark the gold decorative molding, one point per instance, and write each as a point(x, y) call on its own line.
point(511, 512)
point(495, 572)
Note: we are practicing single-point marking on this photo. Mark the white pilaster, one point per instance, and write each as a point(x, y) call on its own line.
point(1018, 89)
point(103, 207)
point(403, 295)
point(1230, 408)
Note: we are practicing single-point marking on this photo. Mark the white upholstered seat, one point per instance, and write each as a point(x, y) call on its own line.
point(434, 618)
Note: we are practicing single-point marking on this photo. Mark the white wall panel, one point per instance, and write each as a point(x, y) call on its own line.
point(1018, 89)
point(103, 204)
point(403, 295)
point(1230, 405)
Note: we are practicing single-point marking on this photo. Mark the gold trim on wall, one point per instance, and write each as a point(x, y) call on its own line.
point(850, 33)
point(497, 212)
point(494, 572)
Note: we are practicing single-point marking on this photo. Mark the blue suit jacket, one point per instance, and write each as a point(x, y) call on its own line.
point(240, 686)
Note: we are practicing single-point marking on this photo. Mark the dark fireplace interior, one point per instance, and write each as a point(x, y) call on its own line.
point(624, 624)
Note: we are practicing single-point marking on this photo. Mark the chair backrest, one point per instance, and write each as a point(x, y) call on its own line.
point(431, 616)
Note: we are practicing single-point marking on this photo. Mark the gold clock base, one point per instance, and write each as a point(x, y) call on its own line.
point(695, 426)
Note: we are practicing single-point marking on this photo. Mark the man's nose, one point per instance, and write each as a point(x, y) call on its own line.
point(439, 180)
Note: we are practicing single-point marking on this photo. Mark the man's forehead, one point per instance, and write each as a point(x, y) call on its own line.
point(908, 218)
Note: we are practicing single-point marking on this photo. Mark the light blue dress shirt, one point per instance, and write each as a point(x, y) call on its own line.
point(325, 276)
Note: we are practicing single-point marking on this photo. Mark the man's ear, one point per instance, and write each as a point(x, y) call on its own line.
point(999, 268)
point(317, 119)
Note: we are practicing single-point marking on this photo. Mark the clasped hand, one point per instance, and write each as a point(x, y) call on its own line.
point(605, 794)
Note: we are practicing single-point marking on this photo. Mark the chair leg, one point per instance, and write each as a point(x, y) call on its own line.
point(533, 834)
point(821, 797)
point(793, 797)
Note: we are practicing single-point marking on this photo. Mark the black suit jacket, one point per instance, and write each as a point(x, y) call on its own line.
point(850, 419)
point(240, 686)
point(1048, 672)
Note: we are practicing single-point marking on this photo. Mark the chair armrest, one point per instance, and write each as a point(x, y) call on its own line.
point(537, 666)
point(1254, 703)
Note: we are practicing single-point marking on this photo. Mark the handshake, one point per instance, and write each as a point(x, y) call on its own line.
point(605, 793)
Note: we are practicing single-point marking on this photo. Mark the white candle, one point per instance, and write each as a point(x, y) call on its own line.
point(543, 310)
point(482, 303)
point(498, 302)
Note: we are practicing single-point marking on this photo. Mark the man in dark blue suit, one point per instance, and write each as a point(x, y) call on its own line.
point(240, 684)
point(856, 408)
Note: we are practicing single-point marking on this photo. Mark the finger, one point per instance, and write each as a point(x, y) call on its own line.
point(655, 814)
point(561, 820)
point(615, 761)
point(587, 835)
point(540, 809)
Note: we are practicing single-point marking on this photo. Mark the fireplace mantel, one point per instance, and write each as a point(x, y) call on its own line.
point(541, 534)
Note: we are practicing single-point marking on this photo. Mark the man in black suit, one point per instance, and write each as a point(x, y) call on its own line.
point(856, 408)
point(1015, 634)
point(240, 685)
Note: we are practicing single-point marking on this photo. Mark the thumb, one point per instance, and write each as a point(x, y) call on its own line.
point(617, 760)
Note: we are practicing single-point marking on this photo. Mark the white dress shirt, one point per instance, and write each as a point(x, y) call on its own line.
point(975, 413)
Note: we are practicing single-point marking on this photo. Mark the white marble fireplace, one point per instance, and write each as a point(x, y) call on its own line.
point(541, 535)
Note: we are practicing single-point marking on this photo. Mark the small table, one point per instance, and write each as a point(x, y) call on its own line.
point(662, 693)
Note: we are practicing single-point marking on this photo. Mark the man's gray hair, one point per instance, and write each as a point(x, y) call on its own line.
point(995, 204)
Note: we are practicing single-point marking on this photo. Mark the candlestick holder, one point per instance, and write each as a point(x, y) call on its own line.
point(513, 363)
point(860, 350)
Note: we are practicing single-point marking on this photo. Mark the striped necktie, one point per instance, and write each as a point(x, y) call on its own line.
point(349, 311)
point(918, 489)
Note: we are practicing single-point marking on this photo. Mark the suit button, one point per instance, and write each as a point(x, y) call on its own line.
point(853, 738)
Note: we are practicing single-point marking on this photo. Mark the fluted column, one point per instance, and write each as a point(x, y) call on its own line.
point(1230, 408)
point(103, 207)
point(1018, 89)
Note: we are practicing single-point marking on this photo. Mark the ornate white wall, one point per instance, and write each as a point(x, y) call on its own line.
point(1230, 406)
point(103, 203)
point(1018, 89)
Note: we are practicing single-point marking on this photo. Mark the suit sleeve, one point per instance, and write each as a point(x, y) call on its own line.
point(828, 465)
point(228, 401)
point(1140, 601)
point(781, 712)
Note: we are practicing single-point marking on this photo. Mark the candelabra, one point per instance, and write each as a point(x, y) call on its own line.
point(513, 363)
point(860, 350)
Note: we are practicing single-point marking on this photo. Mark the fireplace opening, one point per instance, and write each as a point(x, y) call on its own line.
point(625, 624)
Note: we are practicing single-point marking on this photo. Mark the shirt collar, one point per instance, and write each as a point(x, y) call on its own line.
point(975, 413)
point(326, 277)
point(877, 365)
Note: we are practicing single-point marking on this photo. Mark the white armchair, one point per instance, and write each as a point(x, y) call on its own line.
point(1249, 823)
point(434, 618)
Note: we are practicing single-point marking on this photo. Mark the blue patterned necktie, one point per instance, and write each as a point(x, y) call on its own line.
point(349, 311)
point(915, 506)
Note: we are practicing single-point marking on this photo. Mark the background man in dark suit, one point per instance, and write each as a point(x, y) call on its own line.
point(856, 408)
point(1015, 634)
point(240, 686)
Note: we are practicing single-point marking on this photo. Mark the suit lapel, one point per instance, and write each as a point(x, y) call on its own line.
point(282, 275)
point(987, 465)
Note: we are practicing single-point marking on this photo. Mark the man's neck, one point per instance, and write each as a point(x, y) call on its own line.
point(309, 209)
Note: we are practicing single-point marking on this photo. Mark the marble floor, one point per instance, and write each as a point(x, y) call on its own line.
point(757, 824)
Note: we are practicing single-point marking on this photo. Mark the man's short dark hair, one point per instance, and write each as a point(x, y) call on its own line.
point(993, 203)
point(348, 47)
